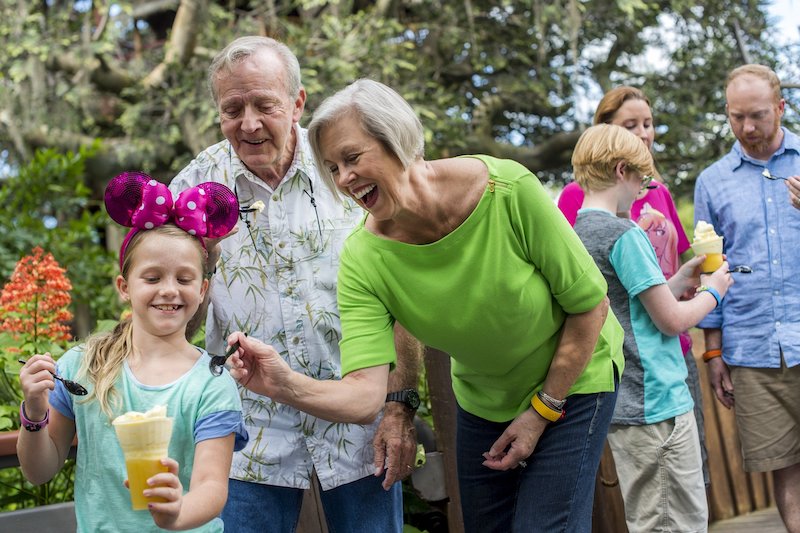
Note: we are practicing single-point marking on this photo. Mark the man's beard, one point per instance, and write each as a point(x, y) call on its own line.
point(763, 145)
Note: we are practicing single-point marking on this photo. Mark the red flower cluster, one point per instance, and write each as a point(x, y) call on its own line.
point(35, 302)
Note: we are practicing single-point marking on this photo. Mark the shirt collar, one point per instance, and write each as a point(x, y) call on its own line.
point(302, 162)
point(789, 142)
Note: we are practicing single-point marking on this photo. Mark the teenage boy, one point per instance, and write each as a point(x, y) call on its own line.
point(653, 433)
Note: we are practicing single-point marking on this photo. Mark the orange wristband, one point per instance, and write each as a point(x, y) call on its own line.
point(711, 354)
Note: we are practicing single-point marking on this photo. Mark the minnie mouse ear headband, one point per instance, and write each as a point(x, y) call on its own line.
point(137, 201)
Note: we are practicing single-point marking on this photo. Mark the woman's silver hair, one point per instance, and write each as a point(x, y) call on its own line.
point(245, 47)
point(383, 114)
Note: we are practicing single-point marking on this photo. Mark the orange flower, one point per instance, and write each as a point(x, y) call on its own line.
point(34, 303)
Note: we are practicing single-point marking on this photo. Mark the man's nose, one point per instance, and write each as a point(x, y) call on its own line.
point(250, 120)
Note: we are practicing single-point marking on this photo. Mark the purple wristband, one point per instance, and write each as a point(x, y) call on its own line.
point(30, 425)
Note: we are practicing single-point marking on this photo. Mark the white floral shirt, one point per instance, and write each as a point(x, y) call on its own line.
point(277, 282)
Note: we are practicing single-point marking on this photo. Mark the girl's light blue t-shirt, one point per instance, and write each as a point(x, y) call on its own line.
point(202, 407)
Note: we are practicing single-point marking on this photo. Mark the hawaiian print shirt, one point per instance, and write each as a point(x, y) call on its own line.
point(276, 281)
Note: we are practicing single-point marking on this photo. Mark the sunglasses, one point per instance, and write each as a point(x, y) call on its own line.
point(647, 183)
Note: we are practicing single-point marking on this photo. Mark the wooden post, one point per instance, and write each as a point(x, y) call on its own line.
point(608, 512)
point(443, 407)
point(312, 516)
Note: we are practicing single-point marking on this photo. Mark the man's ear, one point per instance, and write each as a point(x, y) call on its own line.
point(299, 105)
point(122, 288)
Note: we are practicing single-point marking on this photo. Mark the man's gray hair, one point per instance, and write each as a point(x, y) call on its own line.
point(245, 47)
point(382, 113)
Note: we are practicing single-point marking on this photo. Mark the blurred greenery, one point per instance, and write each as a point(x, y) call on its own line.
point(47, 204)
point(516, 79)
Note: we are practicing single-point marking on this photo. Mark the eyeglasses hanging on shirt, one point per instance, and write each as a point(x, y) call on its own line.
point(245, 211)
point(258, 206)
point(314, 205)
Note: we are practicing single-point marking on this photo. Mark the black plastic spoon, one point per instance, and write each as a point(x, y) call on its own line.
point(217, 362)
point(73, 387)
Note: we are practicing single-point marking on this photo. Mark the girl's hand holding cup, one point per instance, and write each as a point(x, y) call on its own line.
point(167, 488)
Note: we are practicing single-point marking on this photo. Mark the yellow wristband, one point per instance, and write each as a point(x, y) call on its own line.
point(544, 410)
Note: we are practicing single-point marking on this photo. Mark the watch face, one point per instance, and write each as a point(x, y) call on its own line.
point(412, 398)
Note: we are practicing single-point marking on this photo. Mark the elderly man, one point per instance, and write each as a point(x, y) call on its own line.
point(753, 339)
point(276, 279)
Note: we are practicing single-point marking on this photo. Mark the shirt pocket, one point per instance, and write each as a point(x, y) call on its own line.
point(330, 236)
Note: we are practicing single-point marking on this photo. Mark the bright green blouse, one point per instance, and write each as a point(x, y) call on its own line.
point(493, 294)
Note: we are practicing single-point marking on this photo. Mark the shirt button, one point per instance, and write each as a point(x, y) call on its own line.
point(777, 293)
point(774, 261)
point(295, 340)
point(772, 231)
point(777, 324)
point(274, 197)
point(769, 200)
point(281, 244)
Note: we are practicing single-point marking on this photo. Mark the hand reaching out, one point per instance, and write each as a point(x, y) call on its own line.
point(258, 367)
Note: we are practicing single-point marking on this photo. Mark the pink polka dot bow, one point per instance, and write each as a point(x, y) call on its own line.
point(137, 201)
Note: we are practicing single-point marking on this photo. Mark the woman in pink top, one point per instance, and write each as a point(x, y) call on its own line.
point(654, 211)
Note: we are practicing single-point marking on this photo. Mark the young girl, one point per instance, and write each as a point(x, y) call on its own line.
point(145, 361)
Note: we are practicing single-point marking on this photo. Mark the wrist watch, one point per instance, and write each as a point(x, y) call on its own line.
point(408, 397)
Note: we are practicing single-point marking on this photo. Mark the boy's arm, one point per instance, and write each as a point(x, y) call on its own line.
point(635, 263)
point(208, 488)
point(670, 316)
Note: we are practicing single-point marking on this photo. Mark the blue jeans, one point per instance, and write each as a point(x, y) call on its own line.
point(358, 507)
point(555, 491)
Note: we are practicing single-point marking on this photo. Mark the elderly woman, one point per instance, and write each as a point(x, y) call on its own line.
point(472, 257)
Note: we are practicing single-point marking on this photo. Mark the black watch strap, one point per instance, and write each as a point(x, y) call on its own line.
point(408, 397)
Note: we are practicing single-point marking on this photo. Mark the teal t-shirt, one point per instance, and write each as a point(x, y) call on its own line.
point(654, 386)
point(202, 407)
point(493, 294)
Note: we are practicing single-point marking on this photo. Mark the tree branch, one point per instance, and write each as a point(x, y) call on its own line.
point(100, 73)
point(739, 36)
point(183, 38)
point(148, 9)
point(553, 153)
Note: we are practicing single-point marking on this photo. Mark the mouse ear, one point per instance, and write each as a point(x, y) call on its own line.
point(123, 196)
point(222, 209)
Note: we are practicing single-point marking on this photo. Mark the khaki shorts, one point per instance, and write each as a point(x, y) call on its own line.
point(660, 473)
point(768, 416)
